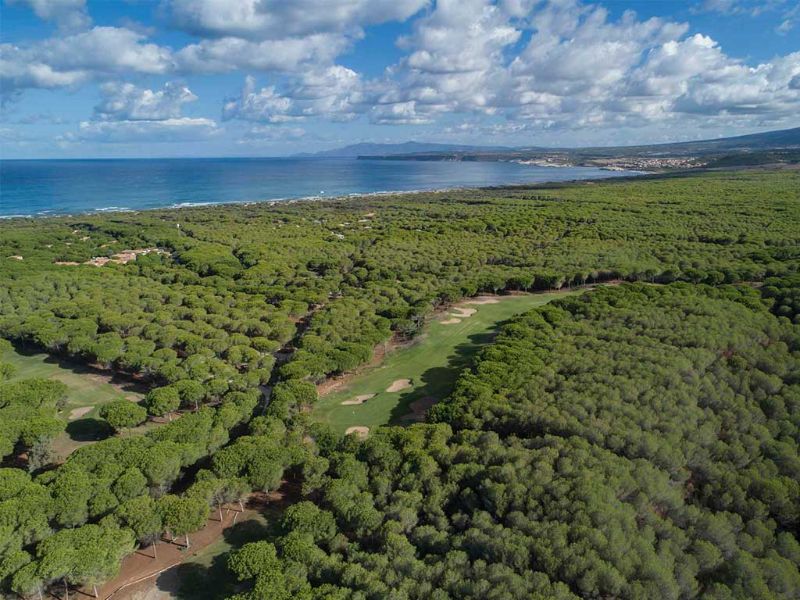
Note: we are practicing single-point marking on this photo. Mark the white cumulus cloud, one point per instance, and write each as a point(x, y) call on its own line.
point(125, 101)
point(278, 19)
point(67, 14)
point(73, 59)
point(127, 113)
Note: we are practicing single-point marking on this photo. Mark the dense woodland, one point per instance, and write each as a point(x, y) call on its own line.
point(638, 441)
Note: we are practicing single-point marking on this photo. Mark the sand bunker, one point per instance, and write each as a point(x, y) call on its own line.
point(451, 321)
point(77, 413)
point(358, 400)
point(483, 300)
point(464, 312)
point(16, 257)
point(398, 385)
point(359, 430)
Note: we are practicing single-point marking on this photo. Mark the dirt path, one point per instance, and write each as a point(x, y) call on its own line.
point(137, 574)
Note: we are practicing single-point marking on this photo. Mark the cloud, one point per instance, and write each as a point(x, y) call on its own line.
point(181, 129)
point(272, 35)
point(231, 54)
point(400, 113)
point(516, 66)
point(125, 101)
point(279, 20)
point(789, 20)
point(67, 14)
point(334, 92)
point(270, 133)
point(74, 59)
point(788, 10)
point(567, 64)
point(127, 113)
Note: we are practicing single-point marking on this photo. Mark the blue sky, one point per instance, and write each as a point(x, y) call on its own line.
point(270, 77)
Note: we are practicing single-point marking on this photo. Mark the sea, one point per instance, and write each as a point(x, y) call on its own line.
point(56, 187)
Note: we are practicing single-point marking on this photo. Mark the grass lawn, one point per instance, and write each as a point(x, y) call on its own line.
point(432, 363)
point(205, 575)
point(88, 391)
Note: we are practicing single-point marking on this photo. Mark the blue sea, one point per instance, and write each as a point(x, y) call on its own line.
point(51, 187)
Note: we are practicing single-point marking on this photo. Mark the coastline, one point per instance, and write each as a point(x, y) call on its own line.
point(112, 210)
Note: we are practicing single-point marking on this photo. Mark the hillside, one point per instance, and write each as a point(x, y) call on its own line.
point(366, 149)
point(755, 149)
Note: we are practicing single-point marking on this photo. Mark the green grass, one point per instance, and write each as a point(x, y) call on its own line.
point(205, 575)
point(86, 388)
point(432, 363)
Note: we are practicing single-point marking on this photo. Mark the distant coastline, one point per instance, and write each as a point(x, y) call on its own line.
point(36, 189)
point(110, 210)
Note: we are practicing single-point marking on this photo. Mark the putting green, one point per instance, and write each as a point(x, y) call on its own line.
point(431, 363)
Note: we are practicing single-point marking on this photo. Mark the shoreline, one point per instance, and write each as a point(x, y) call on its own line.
point(112, 210)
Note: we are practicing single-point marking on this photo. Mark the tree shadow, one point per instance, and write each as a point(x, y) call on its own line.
point(126, 383)
point(439, 382)
point(212, 579)
point(89, 430)
point(203, 580)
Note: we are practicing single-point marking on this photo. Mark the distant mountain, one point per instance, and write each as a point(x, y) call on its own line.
point(768, 140)
point(367, 149)
point(753, 149)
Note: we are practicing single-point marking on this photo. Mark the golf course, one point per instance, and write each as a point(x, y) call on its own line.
point(87, 391)
point(413, 377)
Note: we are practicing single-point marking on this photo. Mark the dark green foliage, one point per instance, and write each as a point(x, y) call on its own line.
point(28, 418)
point(631, 443)
point(122, 414)
point(162, 401)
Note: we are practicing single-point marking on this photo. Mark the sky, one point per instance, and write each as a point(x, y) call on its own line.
point(169, 78)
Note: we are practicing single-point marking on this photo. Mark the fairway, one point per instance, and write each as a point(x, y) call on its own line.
point(87, 392)
point(431, 363)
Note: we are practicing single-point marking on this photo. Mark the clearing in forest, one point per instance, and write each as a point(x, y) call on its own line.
point(88, 390)
point(412, 378)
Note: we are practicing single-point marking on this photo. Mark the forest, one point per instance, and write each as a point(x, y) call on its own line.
point(639, 440)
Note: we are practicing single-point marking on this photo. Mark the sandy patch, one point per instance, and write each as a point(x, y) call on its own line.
point(482, 300)
point(359, 430)
point(398, 385)
point(419, 408)
point(451, 321)
point(16, 257)
point(66, 262)
point(358, 400)
point(77, 413)
point(464, 312)
point(124, 257)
